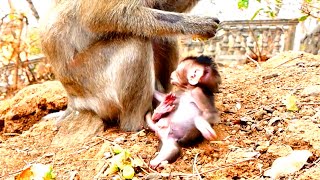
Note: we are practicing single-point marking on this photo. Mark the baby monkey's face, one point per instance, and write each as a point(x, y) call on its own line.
point(188, 72)
point(191, 73)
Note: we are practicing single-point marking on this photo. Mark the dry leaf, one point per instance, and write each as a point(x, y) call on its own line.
point(37, 171)
point(291, 103)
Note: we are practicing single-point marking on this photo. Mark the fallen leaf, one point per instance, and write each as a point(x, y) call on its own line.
point(37, 171)
point(25, 174)
point(290, 102)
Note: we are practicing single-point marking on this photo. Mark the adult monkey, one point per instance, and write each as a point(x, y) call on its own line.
point(165, 49)
point(101, 51)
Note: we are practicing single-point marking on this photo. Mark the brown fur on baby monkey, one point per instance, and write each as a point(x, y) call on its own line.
point(185, 116)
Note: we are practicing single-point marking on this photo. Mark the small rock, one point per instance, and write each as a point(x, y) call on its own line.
point(269, 109)
point(259, 114)
point(274, 121)
point(253, 127)
point(311, 91)
point(280, 130)
point(279, 150)
point(144, 156)
point(259, 127)
point(269, 131)
point(247, 141)
point(263, 146)
point(119, 140)
point(316, 117)
point(248, 128)
point(142, 133)
point(245, 120)
point(265, 122)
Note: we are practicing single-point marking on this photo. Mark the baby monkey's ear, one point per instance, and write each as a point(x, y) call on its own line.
point(195, 75)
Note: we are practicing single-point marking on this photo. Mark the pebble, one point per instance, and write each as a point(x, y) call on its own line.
point(259, 128)
point(248, 128)
point(313, 90)
point(253, 127)
point(259, 114)
point(273, 121)
point(263, 145)
point(269, 131)
point(246, 120)
point(247, 141)
point(142, 133)
point(265, 122)
point(269, 109)
point(119, 140)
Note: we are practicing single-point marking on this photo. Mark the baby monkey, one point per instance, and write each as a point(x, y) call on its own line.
point(185, 116)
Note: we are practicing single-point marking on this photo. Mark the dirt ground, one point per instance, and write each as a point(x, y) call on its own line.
point(256, 128)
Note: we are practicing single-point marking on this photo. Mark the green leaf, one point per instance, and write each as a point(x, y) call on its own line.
point(243, 4)
point(302, 18)
point(272, 14)
point(256, 13)
point(259, 1)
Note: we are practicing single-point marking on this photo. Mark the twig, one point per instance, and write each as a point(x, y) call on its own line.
point(316, 162)
point(194, 167)
point(11, 134)
point(226, 158)
point(254, 61)
point(300, 56)
point(146, 166)
point(101, 171)
point(256, 41)
point(309, 103)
